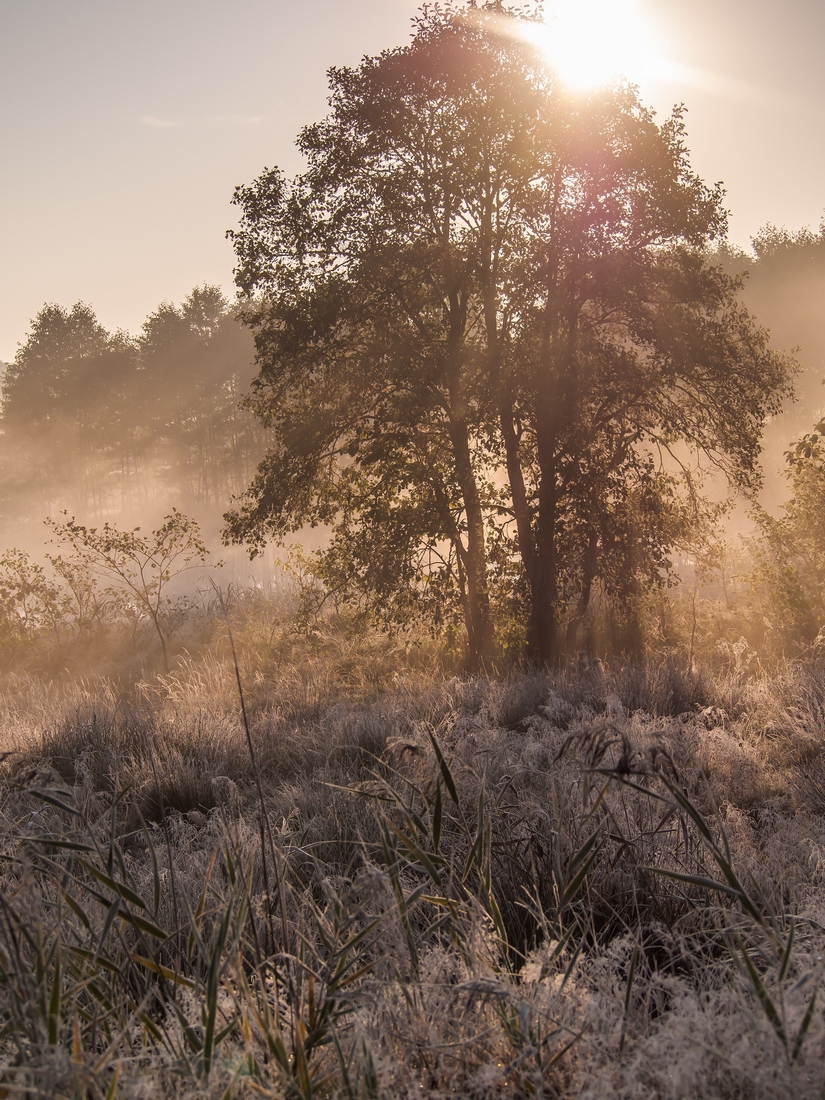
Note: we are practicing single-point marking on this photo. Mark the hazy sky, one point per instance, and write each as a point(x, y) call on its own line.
point(125, 125)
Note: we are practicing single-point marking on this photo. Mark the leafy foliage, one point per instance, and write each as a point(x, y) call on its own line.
point(102, 422)
point(137, 569)
point(484, 317)
point(30, 604)
point(789, 578)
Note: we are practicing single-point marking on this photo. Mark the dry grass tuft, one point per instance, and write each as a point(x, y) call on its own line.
point(606, 882)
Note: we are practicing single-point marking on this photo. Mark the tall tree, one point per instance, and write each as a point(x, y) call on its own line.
point(788, 580)
point(104, 423)
point(65, 404)
point(486, 305)
point(784, 286)
point(194, 366)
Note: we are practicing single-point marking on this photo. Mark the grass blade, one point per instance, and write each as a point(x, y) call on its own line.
point(445, 770)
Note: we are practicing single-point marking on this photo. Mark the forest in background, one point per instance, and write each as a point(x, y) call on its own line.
point(120, 429)
point(785, 289)
point(115, 426)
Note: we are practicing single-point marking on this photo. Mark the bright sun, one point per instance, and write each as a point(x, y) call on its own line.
point(591, 42)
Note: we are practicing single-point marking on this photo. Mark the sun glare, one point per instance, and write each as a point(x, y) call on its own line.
point(592, 42)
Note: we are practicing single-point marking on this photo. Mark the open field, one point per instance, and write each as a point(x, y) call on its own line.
point(412, 661)
point(607, 882)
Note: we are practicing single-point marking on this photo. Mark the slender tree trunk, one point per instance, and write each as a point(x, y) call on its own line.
point(554, 403)
point(591, 560)
point(544, 637)
point(543, 642)
point(159, 630)
point(518, 491)
point(478, 618)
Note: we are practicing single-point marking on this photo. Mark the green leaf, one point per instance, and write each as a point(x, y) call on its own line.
point(786, 954)
point(806, 1023)
point(762, 994)
point(574, 885)
point(75, 907)
point(57, 842)
point(437, 812)
point(54, 1002)
point(583, 851)
point(144, 925)
point(118, 888)
point(112, 912)
point(163, 971)
point(445, 771)
point(426, 861)
point(696, 880)
point(53, 800)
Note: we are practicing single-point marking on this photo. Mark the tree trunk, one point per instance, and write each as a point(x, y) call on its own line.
point(591, 559)
point(159, 631)
point(478, 618)
point(543, 642)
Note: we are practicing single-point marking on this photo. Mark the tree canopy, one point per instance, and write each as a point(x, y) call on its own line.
point(493, 356)
point(784, 286)
point(102, 421)
point(788, 579)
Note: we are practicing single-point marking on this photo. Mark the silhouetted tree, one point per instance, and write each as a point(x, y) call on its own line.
point(108, 424)
point(788, 579)
point(482, 280)
point(65, 404)
point(784, 287)
point(195, 366)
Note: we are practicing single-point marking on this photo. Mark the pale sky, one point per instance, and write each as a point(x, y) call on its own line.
point(126, 124)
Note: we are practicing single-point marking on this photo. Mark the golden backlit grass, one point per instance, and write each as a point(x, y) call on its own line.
point(545, 884)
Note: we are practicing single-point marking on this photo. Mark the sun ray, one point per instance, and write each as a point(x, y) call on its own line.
point(591, 42)
point(594, 42)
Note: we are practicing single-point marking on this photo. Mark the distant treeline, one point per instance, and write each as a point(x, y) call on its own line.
point(110, 424)
point(784, 287)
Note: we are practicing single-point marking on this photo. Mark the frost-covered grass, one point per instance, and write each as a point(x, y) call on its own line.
point(403, 884)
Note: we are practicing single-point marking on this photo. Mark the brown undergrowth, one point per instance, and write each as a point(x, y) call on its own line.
point(395, 883)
